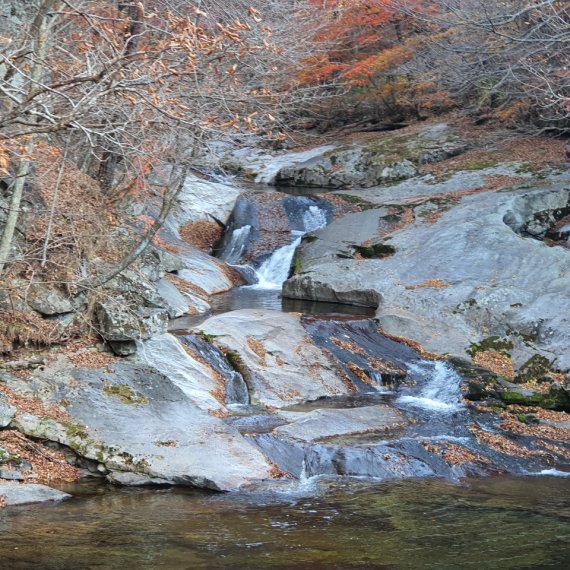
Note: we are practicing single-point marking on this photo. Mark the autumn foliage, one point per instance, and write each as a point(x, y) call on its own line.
point(366, 45)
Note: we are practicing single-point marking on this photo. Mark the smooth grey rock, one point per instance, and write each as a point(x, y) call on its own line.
point(203, 199)
point(194, 377)
point(176, 302)
point(327, 423)
point(495, 281)
point(133, 479)
point(280, 362)
point(7, 412)
point(307, 287)
point(132, 419)
point(20, 494)
point(48, 300)
point(266, 166)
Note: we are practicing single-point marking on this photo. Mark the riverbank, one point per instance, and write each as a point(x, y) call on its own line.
point(456, 242)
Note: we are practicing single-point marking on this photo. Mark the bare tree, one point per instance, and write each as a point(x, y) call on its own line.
point(123, 81)
point(511, 55)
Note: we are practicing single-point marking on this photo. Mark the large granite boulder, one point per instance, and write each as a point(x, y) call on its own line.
point(277, 358)
point(452, 279)
point(383, 159)
point(140, 426)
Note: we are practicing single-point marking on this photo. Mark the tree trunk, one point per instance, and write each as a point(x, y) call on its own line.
point(14, 210)
point(174, 189)
point(39, 33)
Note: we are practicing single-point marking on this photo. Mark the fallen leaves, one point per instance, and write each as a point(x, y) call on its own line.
point(496, 362)
point(201, 234)
point(48, 465)
point(429, 284)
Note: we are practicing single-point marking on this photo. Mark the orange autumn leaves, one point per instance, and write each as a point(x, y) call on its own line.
point(363, 46)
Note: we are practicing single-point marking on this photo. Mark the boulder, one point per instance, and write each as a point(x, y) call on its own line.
point(141, 426)
point(380, 160)
point(48, 300)
point(7, 412)
point(118, 322)
point(278, 360)
point(23, 494)
point(202, 199)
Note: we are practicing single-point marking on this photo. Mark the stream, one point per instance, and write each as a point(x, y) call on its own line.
point(504, 522)
point(342, 508)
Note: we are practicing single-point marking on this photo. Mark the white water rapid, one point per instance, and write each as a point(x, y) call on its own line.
point(439, 387)
point(272, 273)
point(275, 269)
point(234, 250)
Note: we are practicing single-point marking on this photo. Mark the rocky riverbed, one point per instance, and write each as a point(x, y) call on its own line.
point(463, 371)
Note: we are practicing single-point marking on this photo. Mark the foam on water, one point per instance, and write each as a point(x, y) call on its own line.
point(314, 218)
point(275, 269)
point(439, 387)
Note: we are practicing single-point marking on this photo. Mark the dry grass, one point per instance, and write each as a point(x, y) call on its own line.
point(27, 330)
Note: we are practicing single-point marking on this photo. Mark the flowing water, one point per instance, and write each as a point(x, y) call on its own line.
point(323, 522)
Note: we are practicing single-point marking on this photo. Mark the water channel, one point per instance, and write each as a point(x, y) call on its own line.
point(321, 521)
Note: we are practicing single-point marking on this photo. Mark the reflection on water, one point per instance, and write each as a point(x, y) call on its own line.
point(504, 523)
point(249, 298)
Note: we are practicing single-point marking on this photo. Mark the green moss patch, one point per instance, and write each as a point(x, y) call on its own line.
point(498, 344)
point(125, 394)
point(534, 369)
point(375, 251)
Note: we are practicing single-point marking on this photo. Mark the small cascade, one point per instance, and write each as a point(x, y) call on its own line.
point(236, 388)
point(314, 219)
point(236, 246)
point(438, 387)
point(275, 269)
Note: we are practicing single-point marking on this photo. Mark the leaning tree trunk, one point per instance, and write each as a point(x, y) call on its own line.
point(39, 32)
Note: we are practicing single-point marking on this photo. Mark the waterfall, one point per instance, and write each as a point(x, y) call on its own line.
point(314, 219)
point(234, 250)
point(439, 387)
point(275, 269)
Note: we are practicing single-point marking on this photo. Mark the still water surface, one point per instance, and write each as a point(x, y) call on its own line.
point(494, 523)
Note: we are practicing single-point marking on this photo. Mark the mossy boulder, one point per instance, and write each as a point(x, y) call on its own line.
point(383, 159)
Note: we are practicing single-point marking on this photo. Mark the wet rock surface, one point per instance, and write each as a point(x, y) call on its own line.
point(460, 273)
point(17, 494)
point(261, 394)
point(279, 362)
